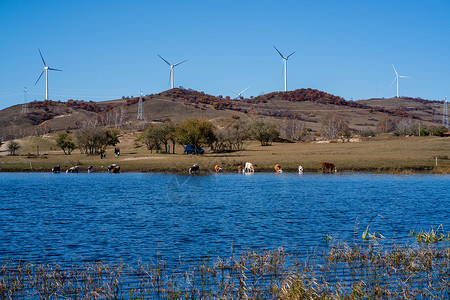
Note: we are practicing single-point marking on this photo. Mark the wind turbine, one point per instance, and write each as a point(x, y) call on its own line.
point(46, 69)
point(239, 94)
point(171, 68)
point(284, 66)
point(396, 78)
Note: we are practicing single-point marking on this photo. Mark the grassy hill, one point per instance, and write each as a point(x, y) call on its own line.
point(307, 105)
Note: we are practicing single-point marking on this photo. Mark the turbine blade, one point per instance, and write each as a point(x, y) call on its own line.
point(42, 57)
point(404, 76)
point(54, 69)
point(394, 80)
point(278, 52)
point(164, 59)
point(244, 90)
point(180, 62)
point(290, 55)
point(233, 92)
point(395, 70)
point(39, 77)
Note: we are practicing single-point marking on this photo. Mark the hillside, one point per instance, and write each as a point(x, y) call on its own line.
point(307, 105)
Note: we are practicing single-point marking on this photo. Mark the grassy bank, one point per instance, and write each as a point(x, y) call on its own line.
point(380, 154)
point(359, 272)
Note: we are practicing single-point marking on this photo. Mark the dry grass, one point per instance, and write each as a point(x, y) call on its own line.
point(380, 154)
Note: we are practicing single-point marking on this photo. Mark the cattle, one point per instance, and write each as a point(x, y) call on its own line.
point(218, 169)
point(278, 168)
point(113, 168)
point(248, 169)
point(90, 169)
point(328, 168)
point(72, 170)
point(56, 169)
point(300, 170)
point(195, 169)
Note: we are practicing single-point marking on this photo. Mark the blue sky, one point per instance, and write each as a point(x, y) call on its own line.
point(108, 49)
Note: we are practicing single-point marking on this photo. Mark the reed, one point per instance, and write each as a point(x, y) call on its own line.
point(432, 236)
point(350, 272)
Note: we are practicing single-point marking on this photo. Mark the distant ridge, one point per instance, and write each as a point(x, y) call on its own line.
point(310, 106)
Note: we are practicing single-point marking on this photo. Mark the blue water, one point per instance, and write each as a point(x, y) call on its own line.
point(137, 216)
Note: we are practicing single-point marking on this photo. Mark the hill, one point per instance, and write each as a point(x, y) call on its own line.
point(306, 105)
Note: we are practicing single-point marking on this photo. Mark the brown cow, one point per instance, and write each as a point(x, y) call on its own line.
point(278, 168)
point(329, 167)
point(218, 169)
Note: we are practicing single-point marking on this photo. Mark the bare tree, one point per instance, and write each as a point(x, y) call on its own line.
point(291, 129)
point(334, 126)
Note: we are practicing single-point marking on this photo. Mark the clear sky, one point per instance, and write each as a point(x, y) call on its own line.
point(108, 49)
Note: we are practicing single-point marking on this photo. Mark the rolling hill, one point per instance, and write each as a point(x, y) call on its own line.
point(307, 105)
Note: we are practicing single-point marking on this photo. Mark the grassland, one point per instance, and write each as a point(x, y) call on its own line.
point(379, 154)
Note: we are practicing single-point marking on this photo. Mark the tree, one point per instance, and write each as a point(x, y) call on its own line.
point(13, 147)
point(196, 132)
point(65, 143)
point(388, 124)
point(438, 130)
point(230, 136)
point(150, 138)
point(334, 126)
point(264, 132)
point(93, 140)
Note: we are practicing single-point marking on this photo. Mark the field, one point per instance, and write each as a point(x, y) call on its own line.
point(378, 154)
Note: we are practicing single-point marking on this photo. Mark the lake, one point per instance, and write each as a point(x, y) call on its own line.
point(137, 216)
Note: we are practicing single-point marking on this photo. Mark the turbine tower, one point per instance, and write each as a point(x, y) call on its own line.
point(171, 68)
point(46, 69)
point(396, 78)
point(284, 66)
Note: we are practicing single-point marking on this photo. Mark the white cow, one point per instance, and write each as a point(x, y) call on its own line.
point(300, 170)
point(248, 169)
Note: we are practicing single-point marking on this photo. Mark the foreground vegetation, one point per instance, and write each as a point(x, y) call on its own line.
point(358, 272)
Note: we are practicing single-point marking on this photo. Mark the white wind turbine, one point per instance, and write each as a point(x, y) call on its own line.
point(396, 78)
point(46, 69)
point(239, 94)
point(284, 66)
point(171, 68)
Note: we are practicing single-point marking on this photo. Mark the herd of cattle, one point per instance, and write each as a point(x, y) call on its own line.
point(111, 169)
point(195, 169)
